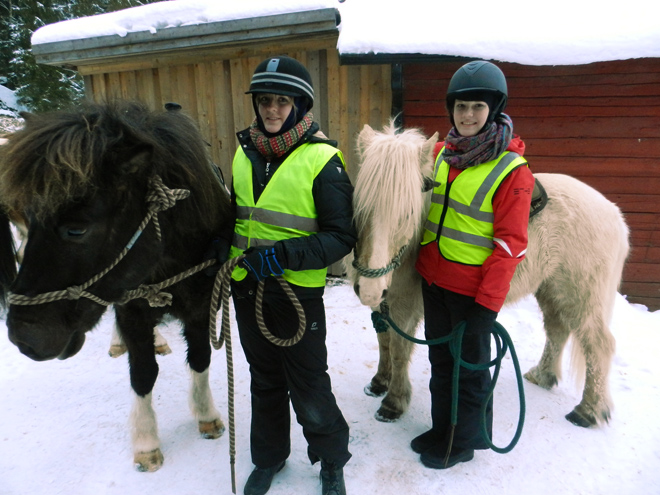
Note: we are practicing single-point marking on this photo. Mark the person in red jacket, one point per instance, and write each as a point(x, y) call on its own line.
point(475, 236)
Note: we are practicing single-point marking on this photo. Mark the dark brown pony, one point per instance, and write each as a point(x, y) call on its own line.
point(105, 188)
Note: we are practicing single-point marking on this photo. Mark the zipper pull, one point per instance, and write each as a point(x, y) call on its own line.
point(267, 168)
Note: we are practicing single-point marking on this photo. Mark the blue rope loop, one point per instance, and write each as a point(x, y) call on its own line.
point(382, 320)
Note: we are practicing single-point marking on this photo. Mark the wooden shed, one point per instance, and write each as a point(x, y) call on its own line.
point(599, 122)
point(207, 69)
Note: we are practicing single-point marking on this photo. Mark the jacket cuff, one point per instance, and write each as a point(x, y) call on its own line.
point(488, 303)
point(280, 254)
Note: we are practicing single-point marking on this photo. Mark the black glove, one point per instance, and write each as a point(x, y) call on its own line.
point(261, 263)
point(219, 251)
point(479, 320)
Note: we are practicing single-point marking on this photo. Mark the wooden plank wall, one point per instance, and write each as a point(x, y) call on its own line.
point(598, 122)
point(213, 93)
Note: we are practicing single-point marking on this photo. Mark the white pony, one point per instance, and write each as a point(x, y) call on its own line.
point(577, 248)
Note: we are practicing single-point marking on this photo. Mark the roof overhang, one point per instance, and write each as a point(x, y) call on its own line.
point(188, 39)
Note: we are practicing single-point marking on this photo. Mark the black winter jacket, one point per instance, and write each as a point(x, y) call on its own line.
point(333, 199)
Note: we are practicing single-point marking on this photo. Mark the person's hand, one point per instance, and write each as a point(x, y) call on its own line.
point(261, 263)
point(219, 251)
point(479, 320)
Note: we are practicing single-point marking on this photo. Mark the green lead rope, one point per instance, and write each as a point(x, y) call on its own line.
point(382, 321)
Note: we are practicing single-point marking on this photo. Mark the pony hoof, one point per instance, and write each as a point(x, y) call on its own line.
point(116, 350)
point(543, 380)
point(163, 350)
point(211, 429)
point(386, 415)
point(580, 420)
point(148, 461)
point(586, 416)
point(374, 390)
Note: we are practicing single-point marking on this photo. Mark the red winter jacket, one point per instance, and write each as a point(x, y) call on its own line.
point(489, 283)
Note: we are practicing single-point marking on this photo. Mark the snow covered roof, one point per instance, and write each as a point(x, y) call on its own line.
point(184, 39)
point(561, 32)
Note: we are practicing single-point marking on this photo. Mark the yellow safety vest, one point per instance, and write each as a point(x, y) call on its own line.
point(461, 216)
point(285, 208)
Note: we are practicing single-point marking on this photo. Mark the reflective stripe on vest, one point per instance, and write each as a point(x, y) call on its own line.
point(285, 208)
point(466, 214)
point(274, 218)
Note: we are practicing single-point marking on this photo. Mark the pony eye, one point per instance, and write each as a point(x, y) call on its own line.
point(72, 233)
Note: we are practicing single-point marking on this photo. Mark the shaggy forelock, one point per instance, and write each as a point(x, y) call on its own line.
point(63, 156)
point(47, 163)
point(389, 181)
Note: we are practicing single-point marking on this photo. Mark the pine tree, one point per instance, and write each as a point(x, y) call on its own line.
point(5, 42)
point(42, 87)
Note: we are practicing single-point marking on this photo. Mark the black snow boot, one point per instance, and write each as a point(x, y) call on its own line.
point(426, 440)
point(332, 479)
point(259, 481)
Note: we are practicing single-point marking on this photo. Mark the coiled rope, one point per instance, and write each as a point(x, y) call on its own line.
point(220, 296)
point(382, 320)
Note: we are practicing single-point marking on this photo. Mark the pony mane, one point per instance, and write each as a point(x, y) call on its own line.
point(389, 181)
point(63, 156)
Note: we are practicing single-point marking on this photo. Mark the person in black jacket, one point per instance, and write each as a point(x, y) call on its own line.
point(293, 203)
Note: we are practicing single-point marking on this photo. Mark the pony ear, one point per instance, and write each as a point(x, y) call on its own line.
point(365, 136)
point(427, 155)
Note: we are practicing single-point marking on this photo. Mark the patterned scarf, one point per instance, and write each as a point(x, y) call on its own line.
point(278, 145)
point(464, 152)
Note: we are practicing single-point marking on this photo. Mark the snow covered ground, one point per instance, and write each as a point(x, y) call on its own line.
point(63, 424)
point(8, 102)
point(9, 108)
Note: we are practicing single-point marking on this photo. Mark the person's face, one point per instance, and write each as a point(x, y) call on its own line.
point(470, 117)
point(274, 110)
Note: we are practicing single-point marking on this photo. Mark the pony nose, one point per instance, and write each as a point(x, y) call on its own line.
point(356, 289)
point(384, 296)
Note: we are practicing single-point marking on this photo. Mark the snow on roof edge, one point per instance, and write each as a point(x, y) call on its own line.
point(587, 36)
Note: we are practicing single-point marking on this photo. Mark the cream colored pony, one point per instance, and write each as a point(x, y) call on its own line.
point(577, 248)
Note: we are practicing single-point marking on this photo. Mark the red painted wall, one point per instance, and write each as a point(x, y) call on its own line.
point(598, 122)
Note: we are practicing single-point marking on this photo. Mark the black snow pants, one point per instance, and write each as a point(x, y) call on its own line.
point(443, 310)
point(297, 373)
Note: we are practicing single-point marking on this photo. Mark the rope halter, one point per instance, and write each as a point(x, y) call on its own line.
point(428, 184)
point(159, 198)
point(363, 271)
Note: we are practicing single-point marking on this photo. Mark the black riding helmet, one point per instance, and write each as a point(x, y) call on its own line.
point(283, 75)
point(478, 81)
